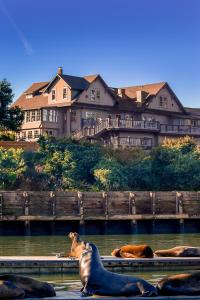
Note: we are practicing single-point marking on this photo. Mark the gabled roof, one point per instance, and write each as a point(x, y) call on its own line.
point(91, 78)
point(36, 86)
point(75, 82)
point(151, 89)
point(36, 102)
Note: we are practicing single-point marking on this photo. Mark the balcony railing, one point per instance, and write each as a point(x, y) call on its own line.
point(107, 124)
point(180, 129)
point(130, 124)
point(134, 142)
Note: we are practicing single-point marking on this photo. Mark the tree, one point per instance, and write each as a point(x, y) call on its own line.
point(10, 118)
point(110, 175)
point(12, 166)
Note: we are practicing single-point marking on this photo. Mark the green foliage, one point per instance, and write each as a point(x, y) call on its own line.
point(10, 118)
point(110, 175)
point(12, 166)
point(7, 135)
point(70, 165)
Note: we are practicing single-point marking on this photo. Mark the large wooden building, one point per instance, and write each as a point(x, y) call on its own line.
point(86, 107)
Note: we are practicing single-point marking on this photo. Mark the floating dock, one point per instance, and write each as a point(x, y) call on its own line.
point(52, 264)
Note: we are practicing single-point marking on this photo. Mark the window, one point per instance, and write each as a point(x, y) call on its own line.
point(195, 123)
point(23, 135)
point(29, 96)
point(28, 116)
point(36, 134)
point(44, 115)
point(53, 95)
point(73, 115)
point(50, 115)
point(38, 115)
point(90, 115)
point(65, 95)
point(98, 93)
point(30, 135)
point(163, 102)
point(33, 116)
point(92, 95)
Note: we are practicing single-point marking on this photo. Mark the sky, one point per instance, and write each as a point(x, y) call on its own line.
point(128, 42)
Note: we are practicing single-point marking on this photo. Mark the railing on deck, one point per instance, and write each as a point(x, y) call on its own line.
point(117, 123)
point(179, 129)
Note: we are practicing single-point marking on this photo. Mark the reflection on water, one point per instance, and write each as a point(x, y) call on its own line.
point(48, 245)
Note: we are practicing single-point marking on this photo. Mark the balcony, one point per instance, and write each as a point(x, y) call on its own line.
point(179, 129)
point(145, 143)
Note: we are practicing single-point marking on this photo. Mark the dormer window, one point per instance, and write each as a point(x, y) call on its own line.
point(53, 95)
point(28, 96)
point(65, 94)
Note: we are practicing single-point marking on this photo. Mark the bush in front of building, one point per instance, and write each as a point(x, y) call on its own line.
point(12, 167)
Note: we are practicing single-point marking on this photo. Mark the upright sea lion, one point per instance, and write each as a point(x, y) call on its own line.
point(97, 280)
point(133, 251)
point(77, 246)
point(181, 284)
point(30, 287)
point(180, 251)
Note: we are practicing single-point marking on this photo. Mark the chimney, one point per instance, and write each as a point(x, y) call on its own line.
point(60, 71)
point(121, 92)
point(141, 96)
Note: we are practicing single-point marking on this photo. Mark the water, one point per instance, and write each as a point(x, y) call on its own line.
point(49, 245)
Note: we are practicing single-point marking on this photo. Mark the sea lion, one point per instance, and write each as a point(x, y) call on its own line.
point(32, 288)
point(77, 246)
point(8, 290)
point(179, 251)
point(181, 284)
point(97, 280)
point(133, 251)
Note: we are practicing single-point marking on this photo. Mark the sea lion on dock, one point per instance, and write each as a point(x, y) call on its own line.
point(179, 251)
point(133, 251)
point(77, 246)
point(24, 287)
point(8, 290)
point(181, 284)
point(97, 280)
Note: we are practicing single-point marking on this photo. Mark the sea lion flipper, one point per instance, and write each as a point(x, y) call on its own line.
point(87, 291)
point(144, 291)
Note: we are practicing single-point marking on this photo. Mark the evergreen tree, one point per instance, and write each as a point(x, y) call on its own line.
point(11, 118)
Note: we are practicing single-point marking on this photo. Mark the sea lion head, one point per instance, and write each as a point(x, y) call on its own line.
point(74, 235)
point(116, 253)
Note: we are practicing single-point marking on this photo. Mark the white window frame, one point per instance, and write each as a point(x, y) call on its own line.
point(53, 90)
point(65, 98)
point(93, 95)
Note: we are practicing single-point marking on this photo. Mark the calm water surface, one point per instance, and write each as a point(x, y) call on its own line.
point(49, 245)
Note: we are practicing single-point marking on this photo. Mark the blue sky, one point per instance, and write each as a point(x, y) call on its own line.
point(128, 42)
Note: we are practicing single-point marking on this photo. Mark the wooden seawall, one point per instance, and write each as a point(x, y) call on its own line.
point(133, 207)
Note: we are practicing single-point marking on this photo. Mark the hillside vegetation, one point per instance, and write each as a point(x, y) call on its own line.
point(70, 165)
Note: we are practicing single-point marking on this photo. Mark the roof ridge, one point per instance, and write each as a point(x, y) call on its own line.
point(140, 85)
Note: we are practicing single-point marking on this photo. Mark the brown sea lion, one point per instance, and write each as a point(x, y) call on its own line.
point(77, 246)
point(24, 287)
point(179, 251)
point(97, 280)
point(181, 284)
point(133, 251)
